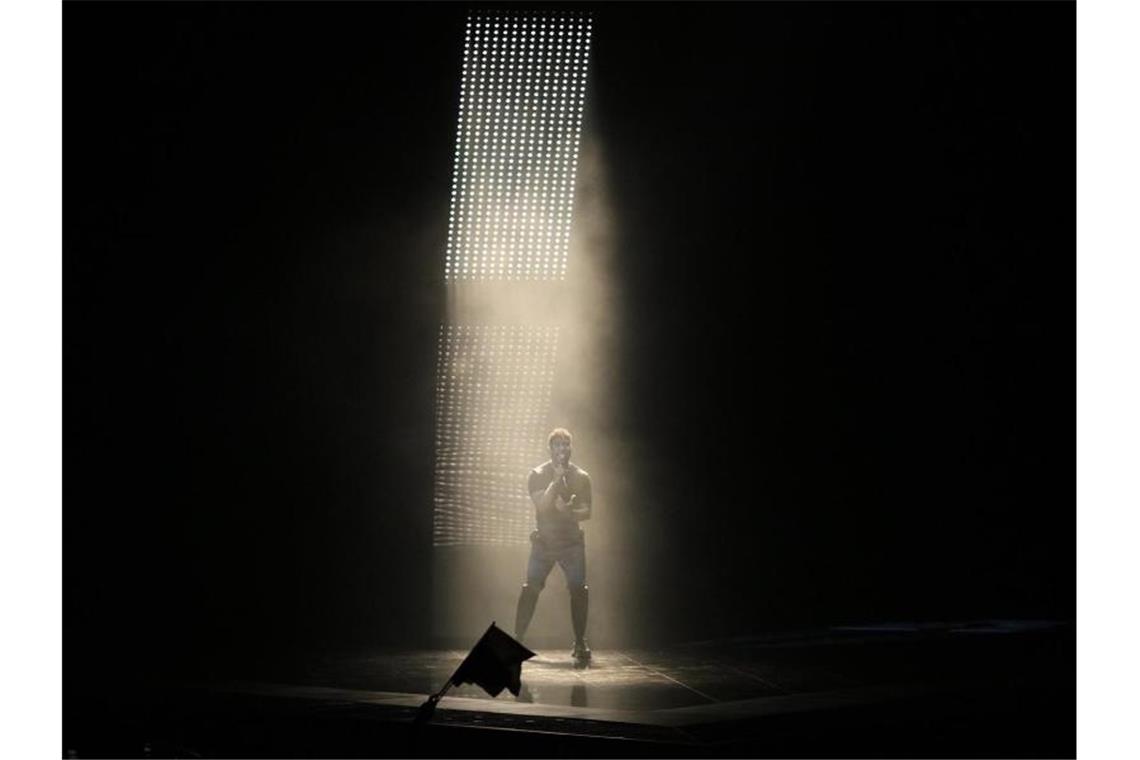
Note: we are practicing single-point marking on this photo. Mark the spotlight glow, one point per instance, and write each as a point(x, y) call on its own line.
point(521, 103)
point(492, 402)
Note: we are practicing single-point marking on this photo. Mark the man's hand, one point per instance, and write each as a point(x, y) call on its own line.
point(561, 504)
point(578, 508)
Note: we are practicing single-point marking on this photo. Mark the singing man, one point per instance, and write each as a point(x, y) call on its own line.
point(561, 492)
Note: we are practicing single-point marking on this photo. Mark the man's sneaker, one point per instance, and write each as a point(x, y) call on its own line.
point(581, 653)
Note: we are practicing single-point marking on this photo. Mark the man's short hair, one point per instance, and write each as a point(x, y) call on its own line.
point(557, 433)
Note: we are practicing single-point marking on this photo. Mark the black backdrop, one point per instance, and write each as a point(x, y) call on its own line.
point(858, 404)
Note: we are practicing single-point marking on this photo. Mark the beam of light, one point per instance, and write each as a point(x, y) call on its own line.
point(529, 339)
point(521, 104)
point(492, 395)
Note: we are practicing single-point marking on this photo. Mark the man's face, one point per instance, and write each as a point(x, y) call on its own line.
point(560, 451)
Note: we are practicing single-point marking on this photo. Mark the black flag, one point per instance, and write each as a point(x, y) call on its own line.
point(495, 663)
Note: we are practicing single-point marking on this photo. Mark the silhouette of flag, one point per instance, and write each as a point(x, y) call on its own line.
point(494, 663)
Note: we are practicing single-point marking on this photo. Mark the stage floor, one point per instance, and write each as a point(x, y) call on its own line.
point(984, 688)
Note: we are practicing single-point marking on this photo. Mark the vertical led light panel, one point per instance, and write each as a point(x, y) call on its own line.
point(492, 397)
point(522, 94)
point(516, 151)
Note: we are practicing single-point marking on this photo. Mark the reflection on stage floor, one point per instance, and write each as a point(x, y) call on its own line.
point(988, 688)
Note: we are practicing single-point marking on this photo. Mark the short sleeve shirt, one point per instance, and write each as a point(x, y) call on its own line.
point(553, 525)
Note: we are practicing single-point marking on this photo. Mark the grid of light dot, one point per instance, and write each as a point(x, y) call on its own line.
point(516, 151)
point(493, 387)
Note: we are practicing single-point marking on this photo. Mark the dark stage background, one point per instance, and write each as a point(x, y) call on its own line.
point(845, 248)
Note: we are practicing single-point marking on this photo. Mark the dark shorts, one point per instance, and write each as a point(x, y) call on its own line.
point(569, 554)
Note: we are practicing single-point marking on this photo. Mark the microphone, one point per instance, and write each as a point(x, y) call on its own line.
point(563, 460)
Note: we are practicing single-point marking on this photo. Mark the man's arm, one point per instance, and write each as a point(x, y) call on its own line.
point(581, 504)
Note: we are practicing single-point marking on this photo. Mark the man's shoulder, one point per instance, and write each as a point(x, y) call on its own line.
point(579, 471)
point(542, 469)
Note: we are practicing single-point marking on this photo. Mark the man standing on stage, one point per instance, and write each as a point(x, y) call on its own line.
point(561, 493)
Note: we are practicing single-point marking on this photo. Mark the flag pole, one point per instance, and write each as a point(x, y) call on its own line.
point(427, 709)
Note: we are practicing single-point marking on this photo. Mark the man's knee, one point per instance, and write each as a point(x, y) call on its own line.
point(533, 588)
point(578, 589)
